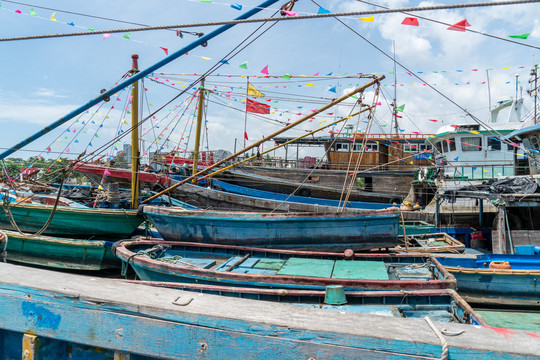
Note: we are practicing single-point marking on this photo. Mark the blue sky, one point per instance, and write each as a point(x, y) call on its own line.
point(42, 80)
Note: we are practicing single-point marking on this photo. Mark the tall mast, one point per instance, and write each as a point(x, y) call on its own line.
point(534, 91)
point(246, 114)
point(198, 131)
point(394, 103)
point(135, 134)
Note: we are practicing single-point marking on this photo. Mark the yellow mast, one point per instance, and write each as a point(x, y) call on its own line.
point(135, 135)
point(198, 131)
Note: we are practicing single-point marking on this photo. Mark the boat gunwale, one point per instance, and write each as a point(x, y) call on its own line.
point(121, 250)
point(218, 214)
point(487, 271)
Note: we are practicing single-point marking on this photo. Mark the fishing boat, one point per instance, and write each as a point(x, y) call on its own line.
point(504, 280)
point(50, 313)
point(223, 196)
point(440, 305)
point(73, 222)
point(170, 261)
point(322, 231)
point(287, 197)
point(58, 253)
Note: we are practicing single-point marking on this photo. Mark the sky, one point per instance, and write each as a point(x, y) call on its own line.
point(42, 80)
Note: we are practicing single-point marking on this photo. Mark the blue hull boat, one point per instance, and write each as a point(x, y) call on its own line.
point(326, 231)
point(510, 280)
point(169, 261)
point(263, 194)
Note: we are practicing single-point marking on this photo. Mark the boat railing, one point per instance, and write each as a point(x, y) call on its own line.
point(315, 163)
point(361, 135)
point(483, 171)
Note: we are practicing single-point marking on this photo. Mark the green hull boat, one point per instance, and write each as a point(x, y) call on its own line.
point(59, 253)
point(72, 222)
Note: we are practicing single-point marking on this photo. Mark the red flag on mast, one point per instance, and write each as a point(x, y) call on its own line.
point(256, 107)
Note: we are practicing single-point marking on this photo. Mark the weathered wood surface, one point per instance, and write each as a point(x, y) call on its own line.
point(167, 323)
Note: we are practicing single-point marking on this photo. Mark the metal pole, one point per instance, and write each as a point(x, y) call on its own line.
point(269, 137)
point(138, 76)
point(246, 113)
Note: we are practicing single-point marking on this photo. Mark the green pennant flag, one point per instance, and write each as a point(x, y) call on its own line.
point(401, 108)
point(287, 77)
point(522, 36)
point(127, 35)
point(32, 12)
point(243, 65)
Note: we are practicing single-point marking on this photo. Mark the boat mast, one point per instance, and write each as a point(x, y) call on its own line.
point(394, 103)
point(534, 91)
point(246, 114)
point(198, 131)
point(135, 134)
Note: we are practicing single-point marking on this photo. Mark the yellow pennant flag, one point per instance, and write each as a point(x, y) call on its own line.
point(310, 85)
point(254, 92)
point(368, 19)
point(52, 17)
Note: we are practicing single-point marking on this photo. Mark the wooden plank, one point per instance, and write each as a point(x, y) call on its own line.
point(308, 267)
point(115, 316)
point(366, 270)
point(269, 264)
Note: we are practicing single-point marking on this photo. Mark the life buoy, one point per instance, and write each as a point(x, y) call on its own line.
point(500, 265)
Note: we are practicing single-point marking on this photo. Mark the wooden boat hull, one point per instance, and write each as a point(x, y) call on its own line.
point(73, 222)
point(242, 190)
point(272, 268)
point(59, 253)
point(440, 305)
point(307, 189)
point(429, 243)
point(477, 283)
point(55, 315)
point(336, 231)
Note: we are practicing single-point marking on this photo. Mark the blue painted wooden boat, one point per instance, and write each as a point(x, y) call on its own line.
point(330, 231)
point(263, 194)
point(482, 280)
point(51, 315)
point(170, 261)
point(441, 305)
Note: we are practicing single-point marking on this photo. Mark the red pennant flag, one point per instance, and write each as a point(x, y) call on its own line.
point(410, 21)
point(459, 26)
point(165, 49)
point(256, 107)
point(433, 120)
point(245, 135)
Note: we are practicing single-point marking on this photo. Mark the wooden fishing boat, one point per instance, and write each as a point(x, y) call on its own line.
point(306, 189)
point(73, 222)
point(199, 196)
point(510, 280)
point(59, 253)
point(440, 305)
point(49, 314)
point(335, 231)
point(243, 190)
point(255, 267)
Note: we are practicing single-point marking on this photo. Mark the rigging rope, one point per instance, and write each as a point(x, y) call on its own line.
point(298, 17)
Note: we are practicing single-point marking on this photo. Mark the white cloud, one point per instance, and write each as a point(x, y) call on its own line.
point(43, 92)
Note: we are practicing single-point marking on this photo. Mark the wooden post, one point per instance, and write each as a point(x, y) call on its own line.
point(499, 243)
point(135, 135)
point(198, 131)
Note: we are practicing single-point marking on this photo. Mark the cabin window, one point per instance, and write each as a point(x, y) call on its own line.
point(451, 144)
point(424, 147)
point(372, 147)
point(438, 146)
point(342, 147)
point(410, 148)
point(471, 143)
point(510, 147)
point(535, 144)
point(494, 144)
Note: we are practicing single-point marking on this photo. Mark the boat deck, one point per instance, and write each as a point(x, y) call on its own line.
point(298, 266)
